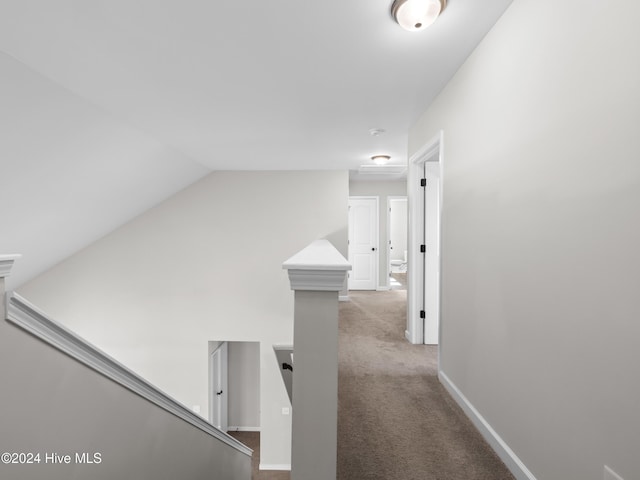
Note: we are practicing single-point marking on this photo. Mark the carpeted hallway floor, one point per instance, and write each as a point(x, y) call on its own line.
point(395, 420)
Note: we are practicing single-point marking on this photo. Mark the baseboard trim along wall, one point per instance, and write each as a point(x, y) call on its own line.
point(343, 298)
point(383, 288)
point(242, 429)
point(275, 466)
point(407, 335)
point(508, 456)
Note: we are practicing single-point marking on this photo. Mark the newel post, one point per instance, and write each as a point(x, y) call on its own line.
point(317, 274)
point(6, 263)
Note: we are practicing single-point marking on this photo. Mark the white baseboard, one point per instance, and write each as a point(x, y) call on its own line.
point(275, 466)
point(343, 298)
point(242, 429)
point(383, 288)
point(508, 456)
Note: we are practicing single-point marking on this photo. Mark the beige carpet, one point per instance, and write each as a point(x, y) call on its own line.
point(395, 420)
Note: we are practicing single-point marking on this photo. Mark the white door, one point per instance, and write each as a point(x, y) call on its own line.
point(219, 391)
point(363, 243)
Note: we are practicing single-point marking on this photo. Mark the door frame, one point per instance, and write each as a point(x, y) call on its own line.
point(391, 198)
point(431, 151)
point(222, 374)
point(376, 257)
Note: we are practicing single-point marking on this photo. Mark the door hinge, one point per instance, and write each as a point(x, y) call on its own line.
point(423, 248)
point(423, 314)
point(423, 182)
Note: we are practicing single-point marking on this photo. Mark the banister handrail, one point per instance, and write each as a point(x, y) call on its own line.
point(28, 317)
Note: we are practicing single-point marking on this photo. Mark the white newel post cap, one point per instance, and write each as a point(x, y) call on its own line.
point(319, 266)
point(6, 262)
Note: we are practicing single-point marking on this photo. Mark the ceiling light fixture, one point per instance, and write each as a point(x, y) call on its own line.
point(414, 15)
point(380, 159)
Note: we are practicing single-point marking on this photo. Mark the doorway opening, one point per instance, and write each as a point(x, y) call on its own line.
point(397, 242)
point(424, 188)
point(234, 385)
point(386, 189)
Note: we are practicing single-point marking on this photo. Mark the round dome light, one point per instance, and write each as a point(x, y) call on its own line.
point(414, 15)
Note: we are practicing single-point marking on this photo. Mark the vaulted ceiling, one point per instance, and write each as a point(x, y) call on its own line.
point(107, 107)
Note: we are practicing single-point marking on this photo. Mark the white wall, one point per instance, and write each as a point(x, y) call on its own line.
point(244, 386)
point(204, 265)
point(381, 189)
point(541, 266)
point(57, 148)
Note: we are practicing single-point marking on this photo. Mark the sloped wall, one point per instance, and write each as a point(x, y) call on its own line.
point(204, 265)
point(55, 407)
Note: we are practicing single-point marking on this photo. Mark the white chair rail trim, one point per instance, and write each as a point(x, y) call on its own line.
point(26, 316)
point(6, 262)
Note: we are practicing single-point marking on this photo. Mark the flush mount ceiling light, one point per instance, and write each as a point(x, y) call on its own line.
point(380, 159)
point(414, 15)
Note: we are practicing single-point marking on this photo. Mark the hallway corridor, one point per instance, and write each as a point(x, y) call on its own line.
point(395, 420)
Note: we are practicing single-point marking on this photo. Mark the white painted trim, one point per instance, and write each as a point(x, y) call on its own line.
point(391, 198)
point(343, 298)
point(433, 147)
point(610, 474)
point(243, 429)
point(318, 255)
point(508, 456)
point(383, 288)
point(318, 267)
point(223, 351)
point(6, 263)
point(317, 280)
point(275, 466)
point(28, 317)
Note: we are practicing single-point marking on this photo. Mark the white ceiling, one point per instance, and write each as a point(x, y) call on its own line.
point(110, 106)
